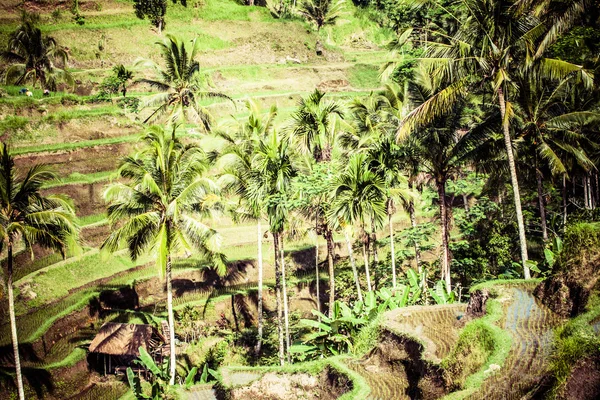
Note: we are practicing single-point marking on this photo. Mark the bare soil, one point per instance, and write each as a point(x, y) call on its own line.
point(584, 381)
point(84, 160)
point(329, 385)
point(87, 198)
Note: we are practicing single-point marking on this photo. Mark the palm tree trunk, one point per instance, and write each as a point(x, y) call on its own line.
point(540, 192)
point(286, 314)
point(330, 251)
point(441, 186)
point(564, 199)
point(353, 263)
point(171, 317)
point(515, 183)
point(13, 324)
point(260, 289)
point(413, 223)
point(318, 281)
point(374, 242)
point(597, 191)
point(392, 249)
point(278, 298)
point(585, 193)
point(365, 243)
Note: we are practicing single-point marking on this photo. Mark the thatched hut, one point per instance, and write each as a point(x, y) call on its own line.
point(116, 346)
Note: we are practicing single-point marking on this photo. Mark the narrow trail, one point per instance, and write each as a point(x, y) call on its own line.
point(530, 324)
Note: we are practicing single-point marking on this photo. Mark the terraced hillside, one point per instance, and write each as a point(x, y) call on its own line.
point(245, 53)
point(530, 324)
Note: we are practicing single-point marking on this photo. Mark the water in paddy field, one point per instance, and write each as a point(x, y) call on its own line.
point(530, 324)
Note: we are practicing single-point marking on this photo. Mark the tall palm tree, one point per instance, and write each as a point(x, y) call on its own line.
point(158, 209)
point(358, 196)
point(495, 38)
point(28, 217)
point(386, 159)
point(236, 160)
point(314, 128)
point(32, 56)
point(321, 13)
point(273, 170)
point(181, 84)
point(553, 133)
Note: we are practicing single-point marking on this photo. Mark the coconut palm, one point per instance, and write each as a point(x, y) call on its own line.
point(552, 131)
point(158, 210)
point(33, 56)
point(495, 39)
point(181, 84)
point(386, 159)
point(272, 172)
point(358, 196)
point(235, 158)
point(321, 13)
point(29, 218)
point(314, 128)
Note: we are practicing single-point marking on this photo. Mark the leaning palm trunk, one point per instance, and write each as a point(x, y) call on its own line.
point(13, 324)
point(365, 243)
point(413, 223)
point(515, 183)
point(278, 298)
point(540, 194)
point(318, 281)
point(564, 199)
point(172, 356)
point(392, 250)
point(286, 314)
point(353, 263)
point(441, 185)
point(330, 251)
point(260, 289)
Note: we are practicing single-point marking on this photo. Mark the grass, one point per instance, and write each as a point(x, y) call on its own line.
point(54, 282)
point(55, 147)
point(364, 76)
point(574, 341)
point(492, 347)
point(360, 388)
point(94, 219)
point(35, 324)
point(81, 179)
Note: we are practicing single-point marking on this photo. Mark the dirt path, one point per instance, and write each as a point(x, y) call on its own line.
point(530, 325)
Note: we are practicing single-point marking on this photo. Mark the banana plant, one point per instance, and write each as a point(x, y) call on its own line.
point(440, 295)
point(331, 336)
point(159, 381)
point(160, 377)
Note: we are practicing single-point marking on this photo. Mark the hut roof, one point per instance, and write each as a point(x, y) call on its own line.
point(121, 339)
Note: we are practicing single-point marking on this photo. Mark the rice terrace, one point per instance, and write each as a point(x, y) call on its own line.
point(300, 199)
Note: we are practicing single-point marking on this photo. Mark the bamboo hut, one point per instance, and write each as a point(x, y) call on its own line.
point(116, 346)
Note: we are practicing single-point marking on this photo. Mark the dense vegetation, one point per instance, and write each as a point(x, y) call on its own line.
point(464, 150)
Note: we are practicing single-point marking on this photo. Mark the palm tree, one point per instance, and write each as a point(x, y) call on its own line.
point(321, 13)
point(236, 160)
point(314, 128)
point(358, 196)
point(495, 38)
point(386, 159)
point(159, 210)
point(32, 56)
point(181, 83)
point(552, 132)
point(28, 217)
point(272, 172)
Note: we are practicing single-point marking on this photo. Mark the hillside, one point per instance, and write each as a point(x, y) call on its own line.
point(486, 335)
